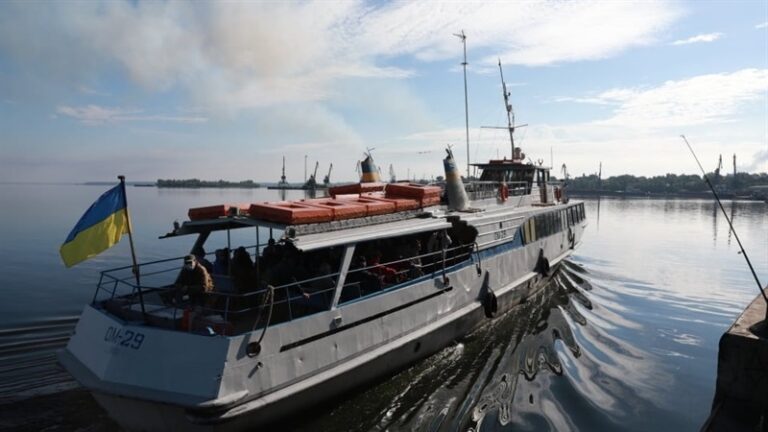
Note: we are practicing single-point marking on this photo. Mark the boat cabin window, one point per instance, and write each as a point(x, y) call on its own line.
point(521, 174)
point(383, 265)
point(574, 214)
point(542, 176)
point(303, 282)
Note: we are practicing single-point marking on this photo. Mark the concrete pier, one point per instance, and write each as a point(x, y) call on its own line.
point(741, 395)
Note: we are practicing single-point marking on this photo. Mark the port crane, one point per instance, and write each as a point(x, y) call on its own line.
point(311, 182)
point(719, 167)
point(282, 177)
point(327, 179)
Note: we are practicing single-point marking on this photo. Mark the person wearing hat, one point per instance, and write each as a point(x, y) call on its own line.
point(194, 280)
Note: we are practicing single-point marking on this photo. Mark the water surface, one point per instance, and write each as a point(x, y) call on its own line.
point(625, 336)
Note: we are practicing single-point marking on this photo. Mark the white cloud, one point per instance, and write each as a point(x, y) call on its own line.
point(709, 37)
point(646, 122)
point(94, 115)
point(91, 91)
point(244, 55)
point(704, 99)
point(529, 33)
point(641, 133)
point(762, 25)
point(759, 161)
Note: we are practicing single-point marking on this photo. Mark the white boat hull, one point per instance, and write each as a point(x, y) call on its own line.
point(178, 381)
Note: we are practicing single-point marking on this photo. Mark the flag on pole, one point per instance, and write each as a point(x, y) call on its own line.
point(98, 229)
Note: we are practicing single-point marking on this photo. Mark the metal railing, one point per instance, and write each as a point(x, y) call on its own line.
point(229, 313)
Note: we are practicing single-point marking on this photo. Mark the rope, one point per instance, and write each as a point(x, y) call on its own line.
point(269, 296)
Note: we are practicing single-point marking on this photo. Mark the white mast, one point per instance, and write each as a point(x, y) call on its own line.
point(510, 112)
point(463, 38)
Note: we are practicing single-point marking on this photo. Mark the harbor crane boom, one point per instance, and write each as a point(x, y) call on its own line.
point(327, 179)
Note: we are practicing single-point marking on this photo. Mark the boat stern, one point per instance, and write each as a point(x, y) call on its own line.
point(163, 368)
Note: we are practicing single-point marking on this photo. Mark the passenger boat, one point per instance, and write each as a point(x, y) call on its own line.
point(356, 286)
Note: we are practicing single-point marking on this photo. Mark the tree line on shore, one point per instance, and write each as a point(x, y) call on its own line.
point(197, 183)
point(669, 183)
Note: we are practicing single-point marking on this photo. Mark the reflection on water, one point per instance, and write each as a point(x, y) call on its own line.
point(551, 363)
point(623, 337)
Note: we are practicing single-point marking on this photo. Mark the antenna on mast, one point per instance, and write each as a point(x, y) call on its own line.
point(510, 116)
point(463, 38)
point(510, 112)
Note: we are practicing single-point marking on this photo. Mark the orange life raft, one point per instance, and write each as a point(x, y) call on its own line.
point(217, 211)
point(349, 202)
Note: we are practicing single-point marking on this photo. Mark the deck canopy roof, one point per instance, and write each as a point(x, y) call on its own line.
point(319, 235)
point(220, 224)
point(321, 240)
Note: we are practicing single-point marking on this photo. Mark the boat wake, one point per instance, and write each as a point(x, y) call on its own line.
point(28, 358)
point(567, 359)
point(559, 361)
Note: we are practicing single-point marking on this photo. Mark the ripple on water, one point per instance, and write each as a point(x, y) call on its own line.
point(28, 358)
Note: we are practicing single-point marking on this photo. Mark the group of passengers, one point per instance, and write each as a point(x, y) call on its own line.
point(379, 264)
point(308, 279)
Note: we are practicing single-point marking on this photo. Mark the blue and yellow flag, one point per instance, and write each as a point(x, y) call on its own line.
point(98, 229)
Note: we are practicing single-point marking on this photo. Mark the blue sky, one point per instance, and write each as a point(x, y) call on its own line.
point(222, 90)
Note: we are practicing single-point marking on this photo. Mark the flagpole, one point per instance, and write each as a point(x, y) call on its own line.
point(130, 240)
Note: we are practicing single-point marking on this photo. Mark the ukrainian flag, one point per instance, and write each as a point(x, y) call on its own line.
point(98, 229)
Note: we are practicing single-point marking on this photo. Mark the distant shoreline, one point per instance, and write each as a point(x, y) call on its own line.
point(683, 195)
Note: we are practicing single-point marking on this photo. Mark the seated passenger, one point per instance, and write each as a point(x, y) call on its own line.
point(242, 270)
point(438, 240)
point(369, 281)
point(221, 264)
point(319, 292)
point(271, 253)
point(199, 254)
point(386, 273)
point(409, 252)
point(193, 281)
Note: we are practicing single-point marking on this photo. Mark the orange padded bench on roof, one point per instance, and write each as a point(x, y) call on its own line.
point(290, 213)
point(426, 195)
point(217, 211)
point(372, 207)
point(356, 188)
point(339, 209)
point(401, 204)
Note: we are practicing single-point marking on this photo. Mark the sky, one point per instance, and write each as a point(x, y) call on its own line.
point(224, 90)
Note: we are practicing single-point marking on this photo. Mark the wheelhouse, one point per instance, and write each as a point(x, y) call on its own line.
point(514, 172)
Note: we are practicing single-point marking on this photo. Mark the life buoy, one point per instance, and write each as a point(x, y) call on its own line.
point(504, 192)
point(558, 193)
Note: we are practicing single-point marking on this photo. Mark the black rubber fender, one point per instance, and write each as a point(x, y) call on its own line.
point(490, 304)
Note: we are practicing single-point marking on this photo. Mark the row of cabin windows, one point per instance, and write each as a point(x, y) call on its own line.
point(307, 285)
point(544, 225)
point(529, 175)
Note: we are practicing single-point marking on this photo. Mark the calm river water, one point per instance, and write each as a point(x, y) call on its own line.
point(624, 338)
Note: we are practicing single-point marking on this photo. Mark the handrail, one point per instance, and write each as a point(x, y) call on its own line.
point(231, 305)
